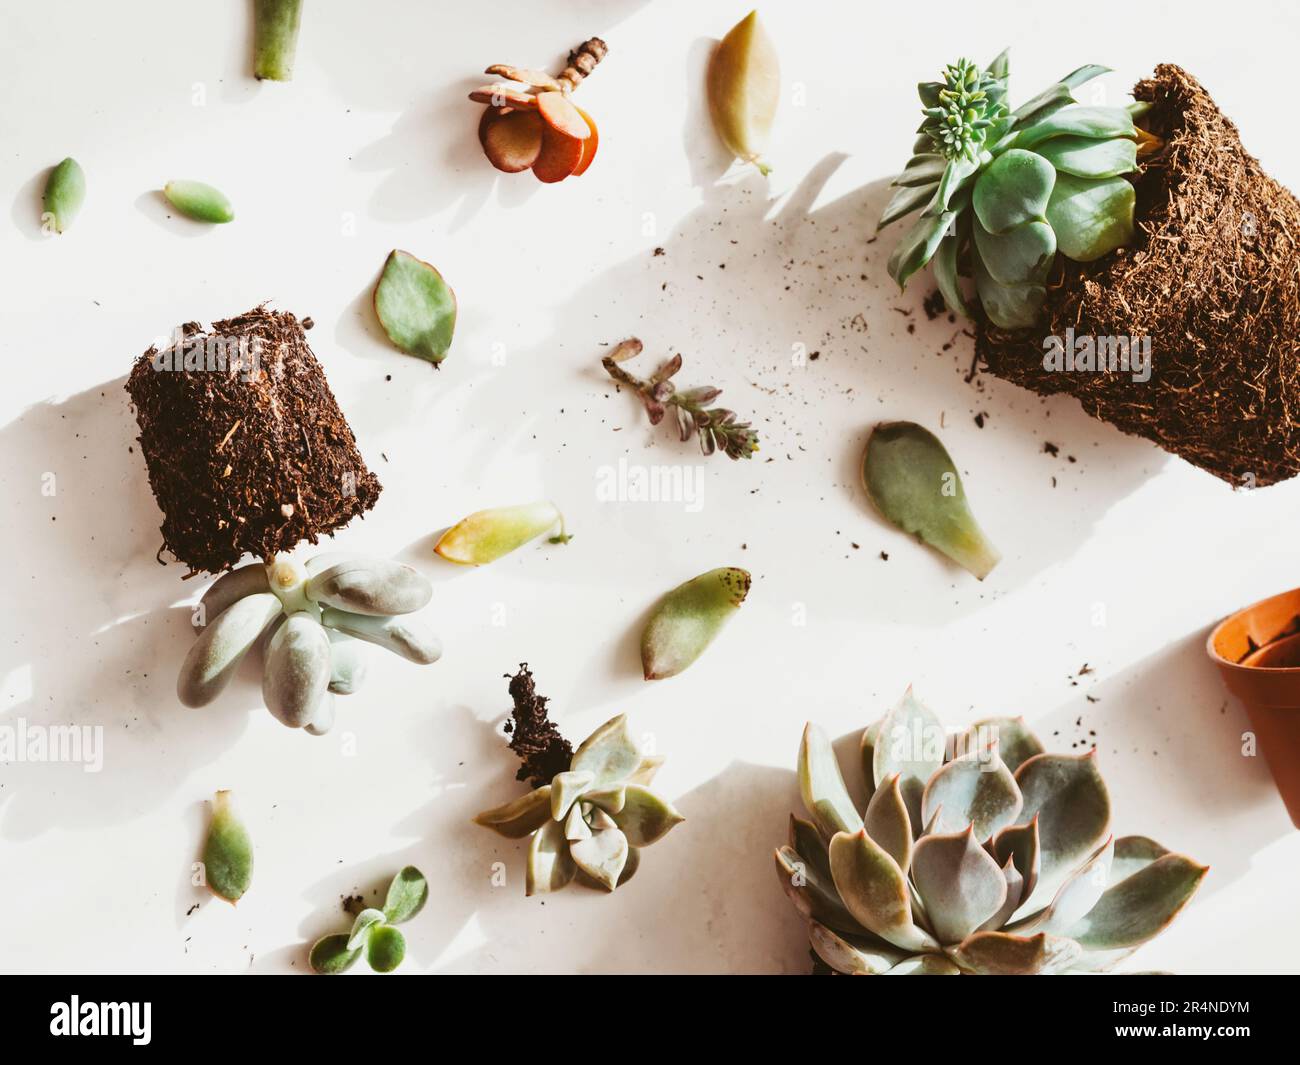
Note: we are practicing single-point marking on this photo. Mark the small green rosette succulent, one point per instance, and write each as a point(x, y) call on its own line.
point(977, 854)
point(1001, 192)
point(591, 821)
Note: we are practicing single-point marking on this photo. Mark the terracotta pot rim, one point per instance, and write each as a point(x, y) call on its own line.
point(1227, 663)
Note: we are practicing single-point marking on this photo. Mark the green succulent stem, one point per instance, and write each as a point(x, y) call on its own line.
point(275, 38)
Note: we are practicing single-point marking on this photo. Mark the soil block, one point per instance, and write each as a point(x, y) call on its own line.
point(247, 450)
point(1213, 280)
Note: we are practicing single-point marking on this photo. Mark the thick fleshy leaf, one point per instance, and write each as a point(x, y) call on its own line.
point(1022, 255)
point(810, 845)
point(1015, 895)
point(402, 636)
point(1094, 122)
point(374, 586)
point(688, 618)
point(904, 201)
point(1002, 954)
point(297, 670)
point(565, 789)
point(361, 928)
point(959, 883)
point(925, 169)
point(65, 191)
point(602, 856)
point(1016, 743)
point(1019, 843)
point(416, 307)
point(645, 818)
point(519, 817)
point(406, 896)
point(1013, 189)
point(886, 821)
point(199, 201)
point(1069, 797)
point(945, 276)
point(385, 948)
point(812, 892)
point(951, 194)
point(910, 742)
point(975, 789)
point(232, 586)
point(226, 638)
point(349, 662)
point(1056, 96)
point(1088, 158)
point(644, 773)
point(1133, 853)
point(550, 865)
point(1141, 905)
point(867, 754)
point(227, 852)
point(487, 535)
point(610, 753)
point(851, 955)
point(1008, 306)
point(331, 955)
point(875, 891)
point(611, 799)
point(575, 824)
point(1075, 898)
point(925, 965)
point(822, 787)
point(1091, 217)
point(917, 246)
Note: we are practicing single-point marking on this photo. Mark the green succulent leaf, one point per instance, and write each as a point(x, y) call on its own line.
point(1091, 217)
point(416, 307)
point(1141, 905)
point(813, 892)
point(975, 789)
point(1069, 797)
point(645, 818)
point(907, 199)
point(852, 955)
point(1019, 844)
point(348, 663)
point(385, 949)
point(910, 743)
point(1093, 122)
point(575, 824)
point(945, 276)
point(918, 246)
point(822, 786)
point(65, 191)
point(1133, 853)
point(366, 921)
point(688, 618)
point(1009, 306)
point(374, 586)
point(950, 195)
point(601, 856)
point(611, 799)
point(406, 895)
point(1056, 96)
point(959, 883)
point(1014, 897)
point(519, 817)
point(924, 169)
point(1016, 743)
point(1088, 158)
point(1021, 255)
point(550, 866)
point(199, 201)
point(1000, 68)
point(810, 845)
point(1003, 954)
point(610, 753)
point(886, 821)
point(1013, 189)
point(924, 965)
point(228, 852)
point(215, 656)
point(875, 891)
point(402, 636)
point(331, 955)
point(1078, 895)
point(565, 789)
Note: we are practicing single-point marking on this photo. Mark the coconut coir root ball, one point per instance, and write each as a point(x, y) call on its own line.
point(247, 450)
point(1214, 281)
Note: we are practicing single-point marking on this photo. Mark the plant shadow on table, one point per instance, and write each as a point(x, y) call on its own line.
point(96, 641)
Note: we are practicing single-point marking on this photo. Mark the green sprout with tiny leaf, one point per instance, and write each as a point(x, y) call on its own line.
point(374, 931)
point(228, 852)
point(591, 821)
point(976, 854)
point(1002, 192)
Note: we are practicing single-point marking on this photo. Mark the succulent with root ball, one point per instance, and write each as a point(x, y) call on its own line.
point(977, 854)
point(591, 821)
point(531, 123)
point(311, 620)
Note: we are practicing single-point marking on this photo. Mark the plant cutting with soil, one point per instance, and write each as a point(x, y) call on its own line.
point(374, 931)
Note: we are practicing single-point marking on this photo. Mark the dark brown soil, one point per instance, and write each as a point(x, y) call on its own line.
point(243, 459)
point(1214, 281)
point(542, 751)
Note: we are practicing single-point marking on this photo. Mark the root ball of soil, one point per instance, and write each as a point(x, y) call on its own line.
point(1213, 280)
point(247, 450)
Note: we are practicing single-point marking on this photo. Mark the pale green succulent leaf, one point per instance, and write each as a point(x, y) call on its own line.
point(598, 819)
point(1080, 121)
point(1003, 954)
point(975, 789)
point(227, 851)
point(1070, 800)
point(645, 818)
point(565, 789)
point(867, 754)
point(348, 663)
point(852, 955)
point(1020, 845)
point(331, 955)
point(1141, 905)
point(1015, 896)
point(1016, 742)
point(1056, 96)
point(924, 965)
point(812, 892)
point(1091, 217)
point(959, 883)
point(575, 825)
point(810, 845)
point(366, 920)
point(886, 821)
point(1013, 189)
point(610, 753)
point(1076, 896)
point(917, 247)
point(550, 866)
point(609, 799)
point(645, 772)
point(376, 587)
point(1133, 853)
point(416, 307)
point(406, 896)
point(227, 637)
point(602, 856)
point(904, 201)
point(1009, 306)
point(402, 636)
point(822, 786)
point(1022, 255)
point(875, 891)
point(519, 817)
point(1088, 158)
point(910, 742)
point(957, 177)
point(1001, 65)
point(945, 276)
point(924, 169)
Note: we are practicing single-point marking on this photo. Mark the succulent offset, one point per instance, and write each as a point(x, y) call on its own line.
point(374, 931)
point(312, 621)
point(591, 820)
point(1001, 192)
point(977, 854)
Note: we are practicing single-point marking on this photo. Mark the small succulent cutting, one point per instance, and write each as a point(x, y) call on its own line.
point(913, 483)
point(686, 620)
point(977, 854)
point(275, 38)
point(199, 201)
point(228, 852)
point(374, 931)
point(311, 619)
point(487, 535)
point(1001, 192)
point(591, 821)
point(531, 122)
point(716, 427)
point(416, 307)
point(744, 87)
point(65, 191)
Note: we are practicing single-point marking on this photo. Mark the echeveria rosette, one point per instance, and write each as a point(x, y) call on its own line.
point(592, 820)
point(976, 854)
point(1002, 192)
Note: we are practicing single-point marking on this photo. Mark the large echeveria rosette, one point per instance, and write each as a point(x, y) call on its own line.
point(976, 854)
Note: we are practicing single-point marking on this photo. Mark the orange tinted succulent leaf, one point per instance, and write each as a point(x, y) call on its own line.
point(589, 146)
point(562, 116)
point(513, 141)
point(560, 156)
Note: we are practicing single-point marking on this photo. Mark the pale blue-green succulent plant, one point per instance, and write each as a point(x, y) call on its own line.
point(591, 821)
point(1001, 192)
point(310, 620)
point(976, 854)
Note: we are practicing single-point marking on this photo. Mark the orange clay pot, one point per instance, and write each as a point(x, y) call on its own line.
point(1258, 652)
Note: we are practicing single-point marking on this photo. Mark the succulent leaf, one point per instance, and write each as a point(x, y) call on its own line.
point(1133, 853)
point(374, 586)
point(850, 955)
point(519, 817)
point(232, 586)
point(1019, 844)
point(348, 663)
point(1069, 797)
point(609, 754)
point(875, 891)
point(385, 948)
point(575, 824)
point(744, 88)
point(910, 742)
point(406, 896)
point(645, 818)
point(924, 169)
point(611, 799)
point(331, 955)
point(1092, 122)
point(1022, 255)
point(906, 200)
point(565, 789)
point(1003, 954)
point(886, 821)
point(1016, 743)
point(297, 671)
point(924, 965)
point(601, 856)
point(810, 845)
point(959, 883)
point(822, 786)
point(688, 618)
point(487, 535)
point(1076, 896)
point(812, 892)
point(1091, 217)
point(228, 852)
point(645, 773)
point(65, 191)
point(215, 656)
point(946, 277)
point(1141, 905)
point(918, 246)
point(1009, 306)
point(1014, 897)
point(975, 789)
point(550, 866)
point(402, 636)
point(1013, 189)
point(366, 921)
point(415, 306)
point(1088, 158)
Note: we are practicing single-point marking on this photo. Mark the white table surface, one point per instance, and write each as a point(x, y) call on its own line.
point(1122, 565)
